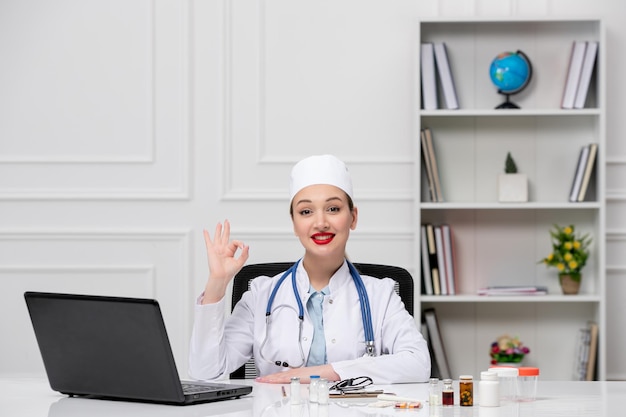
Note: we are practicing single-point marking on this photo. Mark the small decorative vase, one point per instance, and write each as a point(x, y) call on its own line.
point(512, 188)
point(509, 364)
point(569, 285)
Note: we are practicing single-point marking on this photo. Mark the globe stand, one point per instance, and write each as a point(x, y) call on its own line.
point(508, 104)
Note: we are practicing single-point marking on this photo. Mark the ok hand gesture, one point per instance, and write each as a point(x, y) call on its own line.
point(223, 265)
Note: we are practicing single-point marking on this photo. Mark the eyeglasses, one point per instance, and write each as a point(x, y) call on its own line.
point(352, 384)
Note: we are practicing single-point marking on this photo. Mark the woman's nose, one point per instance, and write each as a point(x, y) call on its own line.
point(321, 221)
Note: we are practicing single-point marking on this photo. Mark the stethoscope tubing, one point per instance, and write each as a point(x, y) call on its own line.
point(366, 312)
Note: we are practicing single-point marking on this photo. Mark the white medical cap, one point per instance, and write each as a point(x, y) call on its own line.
point(320, 169)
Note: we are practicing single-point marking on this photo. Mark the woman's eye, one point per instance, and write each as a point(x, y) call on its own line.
point(334, 209)
point(305, 212)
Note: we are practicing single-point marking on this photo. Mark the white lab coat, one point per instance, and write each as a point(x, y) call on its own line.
point(220, 344)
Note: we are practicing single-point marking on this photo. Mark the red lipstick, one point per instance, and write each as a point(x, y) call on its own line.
point(322, 238)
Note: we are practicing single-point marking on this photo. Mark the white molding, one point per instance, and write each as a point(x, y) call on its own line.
point(92, 234)
point(182, 190)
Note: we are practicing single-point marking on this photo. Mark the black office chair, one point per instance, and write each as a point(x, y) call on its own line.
point(241, 283)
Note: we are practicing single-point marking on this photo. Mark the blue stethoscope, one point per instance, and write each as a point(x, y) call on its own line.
point(366, 313)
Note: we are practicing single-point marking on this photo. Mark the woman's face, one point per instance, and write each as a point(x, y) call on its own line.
point(322, 219)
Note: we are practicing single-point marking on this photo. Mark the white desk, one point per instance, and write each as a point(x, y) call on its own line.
point(29, 397)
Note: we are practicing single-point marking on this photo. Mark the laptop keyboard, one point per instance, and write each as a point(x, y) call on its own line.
point(196, 388)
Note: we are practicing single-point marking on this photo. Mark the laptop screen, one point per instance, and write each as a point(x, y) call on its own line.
point(104, 346)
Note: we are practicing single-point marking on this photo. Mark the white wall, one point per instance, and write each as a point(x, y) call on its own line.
point(128, 126)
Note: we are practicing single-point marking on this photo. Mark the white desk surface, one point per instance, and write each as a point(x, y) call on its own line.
point(32, 397)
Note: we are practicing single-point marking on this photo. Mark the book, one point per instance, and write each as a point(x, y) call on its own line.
point(427, 167)
point(426, 277)
point(436, 341)
point(448, 248)
point(582, 352)
point(585, 75)
point(593, 150)
point(593, 351)
point(578, 175)
point(445, 76)
point(434, 371)
point(513, 290)
point(573, 74)
point(433, 163)
point(432, 257)
point(428, 79)
point(441, 261)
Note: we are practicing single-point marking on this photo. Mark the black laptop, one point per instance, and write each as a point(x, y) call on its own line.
point(113, 348)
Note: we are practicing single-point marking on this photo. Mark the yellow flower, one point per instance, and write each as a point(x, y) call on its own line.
point(569, 252)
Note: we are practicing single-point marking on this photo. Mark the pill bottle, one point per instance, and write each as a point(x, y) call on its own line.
point(294, 396)
point(466, 390)
point(322, 391)
point(314, 388)
point(434, 392)
point(507, 375)
point(527, 383)
point(489, 389)
point(447, 393)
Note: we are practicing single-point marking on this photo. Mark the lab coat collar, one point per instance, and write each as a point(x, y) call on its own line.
point(339, 280)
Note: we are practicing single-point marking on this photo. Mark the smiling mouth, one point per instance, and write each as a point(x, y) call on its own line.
point(322, 238)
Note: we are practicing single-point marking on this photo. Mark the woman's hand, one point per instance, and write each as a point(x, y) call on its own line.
point(223, 265)
point(324, 371)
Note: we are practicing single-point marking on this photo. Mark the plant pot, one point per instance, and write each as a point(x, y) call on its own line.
point(509, 364)
point(513, 188)
point(569, 285)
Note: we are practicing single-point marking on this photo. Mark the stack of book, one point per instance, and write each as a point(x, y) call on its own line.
point(579, 75)
point(430, 166)
point(438, 266)
point(584, 169)
point(436, 65)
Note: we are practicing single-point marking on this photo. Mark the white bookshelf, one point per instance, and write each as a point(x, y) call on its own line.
point(501, 243)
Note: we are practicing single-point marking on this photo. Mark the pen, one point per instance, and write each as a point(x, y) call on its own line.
point(389, 397)
point(284, 392)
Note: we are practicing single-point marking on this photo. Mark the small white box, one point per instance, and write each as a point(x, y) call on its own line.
point(513, 188)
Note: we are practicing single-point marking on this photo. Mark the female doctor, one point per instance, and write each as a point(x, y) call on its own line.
point(331, 340)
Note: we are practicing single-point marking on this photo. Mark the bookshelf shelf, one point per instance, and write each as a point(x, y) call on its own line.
point(511, 206)
point(511, 113)
point(467, 298)
point(498, 243)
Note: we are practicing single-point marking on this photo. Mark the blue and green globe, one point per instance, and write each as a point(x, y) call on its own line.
point(510, 72)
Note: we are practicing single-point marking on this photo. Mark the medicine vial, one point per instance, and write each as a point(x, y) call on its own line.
point(489, 389)
point(322, 391)
point(466, 390)
point(295, 391)
point(434, 392)
point(447, 394)
point(314, 388)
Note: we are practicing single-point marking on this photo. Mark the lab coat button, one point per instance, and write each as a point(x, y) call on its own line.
point(304, 339)
point(333, 341)
point(330, 301)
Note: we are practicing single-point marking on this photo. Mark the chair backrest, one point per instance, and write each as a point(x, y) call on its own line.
point(241, 283)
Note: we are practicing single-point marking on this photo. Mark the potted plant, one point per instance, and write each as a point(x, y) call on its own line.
point(507, 350)
point(512, 186)
point(569, 256)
